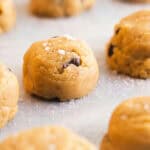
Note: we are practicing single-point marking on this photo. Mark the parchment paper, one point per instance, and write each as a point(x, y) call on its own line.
point(89, 116)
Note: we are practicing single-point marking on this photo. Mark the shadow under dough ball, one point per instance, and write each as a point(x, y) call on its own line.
point(58, 8)
point(9, 94)
point(128, 51)
point(129, 127)
point(7, 15)
point(60, 67)
point(46, 138)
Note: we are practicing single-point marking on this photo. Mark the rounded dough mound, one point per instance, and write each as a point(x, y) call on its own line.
point(7, 15)
point(60, 67)
point(9, 93)
point(129, 49)
point(57, 8)
point(46, 138)
point(129, 127)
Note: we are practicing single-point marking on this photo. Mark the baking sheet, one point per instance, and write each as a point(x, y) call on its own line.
point(90, 115)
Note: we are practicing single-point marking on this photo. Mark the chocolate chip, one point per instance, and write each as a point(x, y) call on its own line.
point(117, 31)
point(1, 11)
point(75, 61)
point(9, 69)
point(111, 50)
point(55, 37)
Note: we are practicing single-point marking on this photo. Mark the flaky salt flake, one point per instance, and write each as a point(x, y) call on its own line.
point(61, 51)
point(52, 147)
point(123, 117)
point(47, 48)
point(68, 37)
point(45, 44)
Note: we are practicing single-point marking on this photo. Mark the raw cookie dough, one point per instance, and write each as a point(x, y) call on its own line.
point(7, 15)
point(46, 138)
point(129, 127)
point(9, 92)
point(57, 8)
point(60, 67)
point(129, 49)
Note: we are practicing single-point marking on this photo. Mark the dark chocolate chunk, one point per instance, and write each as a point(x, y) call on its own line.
point(1, 12)
point(9, 69)
point(117, 31)
point(55, 37)
point(75, 61)
point(111, 50)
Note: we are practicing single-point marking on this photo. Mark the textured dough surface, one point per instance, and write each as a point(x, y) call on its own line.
point(46, 138)
point(129, 49)
point(60, 67)
point(7, 15)
point(56, 8)
point(9, 93)
point(129, 127)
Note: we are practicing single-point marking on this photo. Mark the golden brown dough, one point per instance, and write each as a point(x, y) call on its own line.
point(46, 138)
point(7, 15)
point(129, 127)
point(128, 51)
point(60, 67)
point(9, 93)
point(57, 8)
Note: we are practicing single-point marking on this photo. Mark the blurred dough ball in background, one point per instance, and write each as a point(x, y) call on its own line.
point(129, 127)
point(128, 51)
point(7, 15)
point(46, 138)
point(9, 94)
point(57, 8)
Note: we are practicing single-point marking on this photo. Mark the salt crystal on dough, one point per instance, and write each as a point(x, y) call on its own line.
point(45, 44)
point(47, 48)
point(61, 51)
point(68, 37)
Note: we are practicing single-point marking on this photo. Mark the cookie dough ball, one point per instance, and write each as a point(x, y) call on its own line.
point(129, 49)
point(7, 15)
point(129, 127)
point(46, 138)
point(57, 8)
point(8, 95)
point(60, 67)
